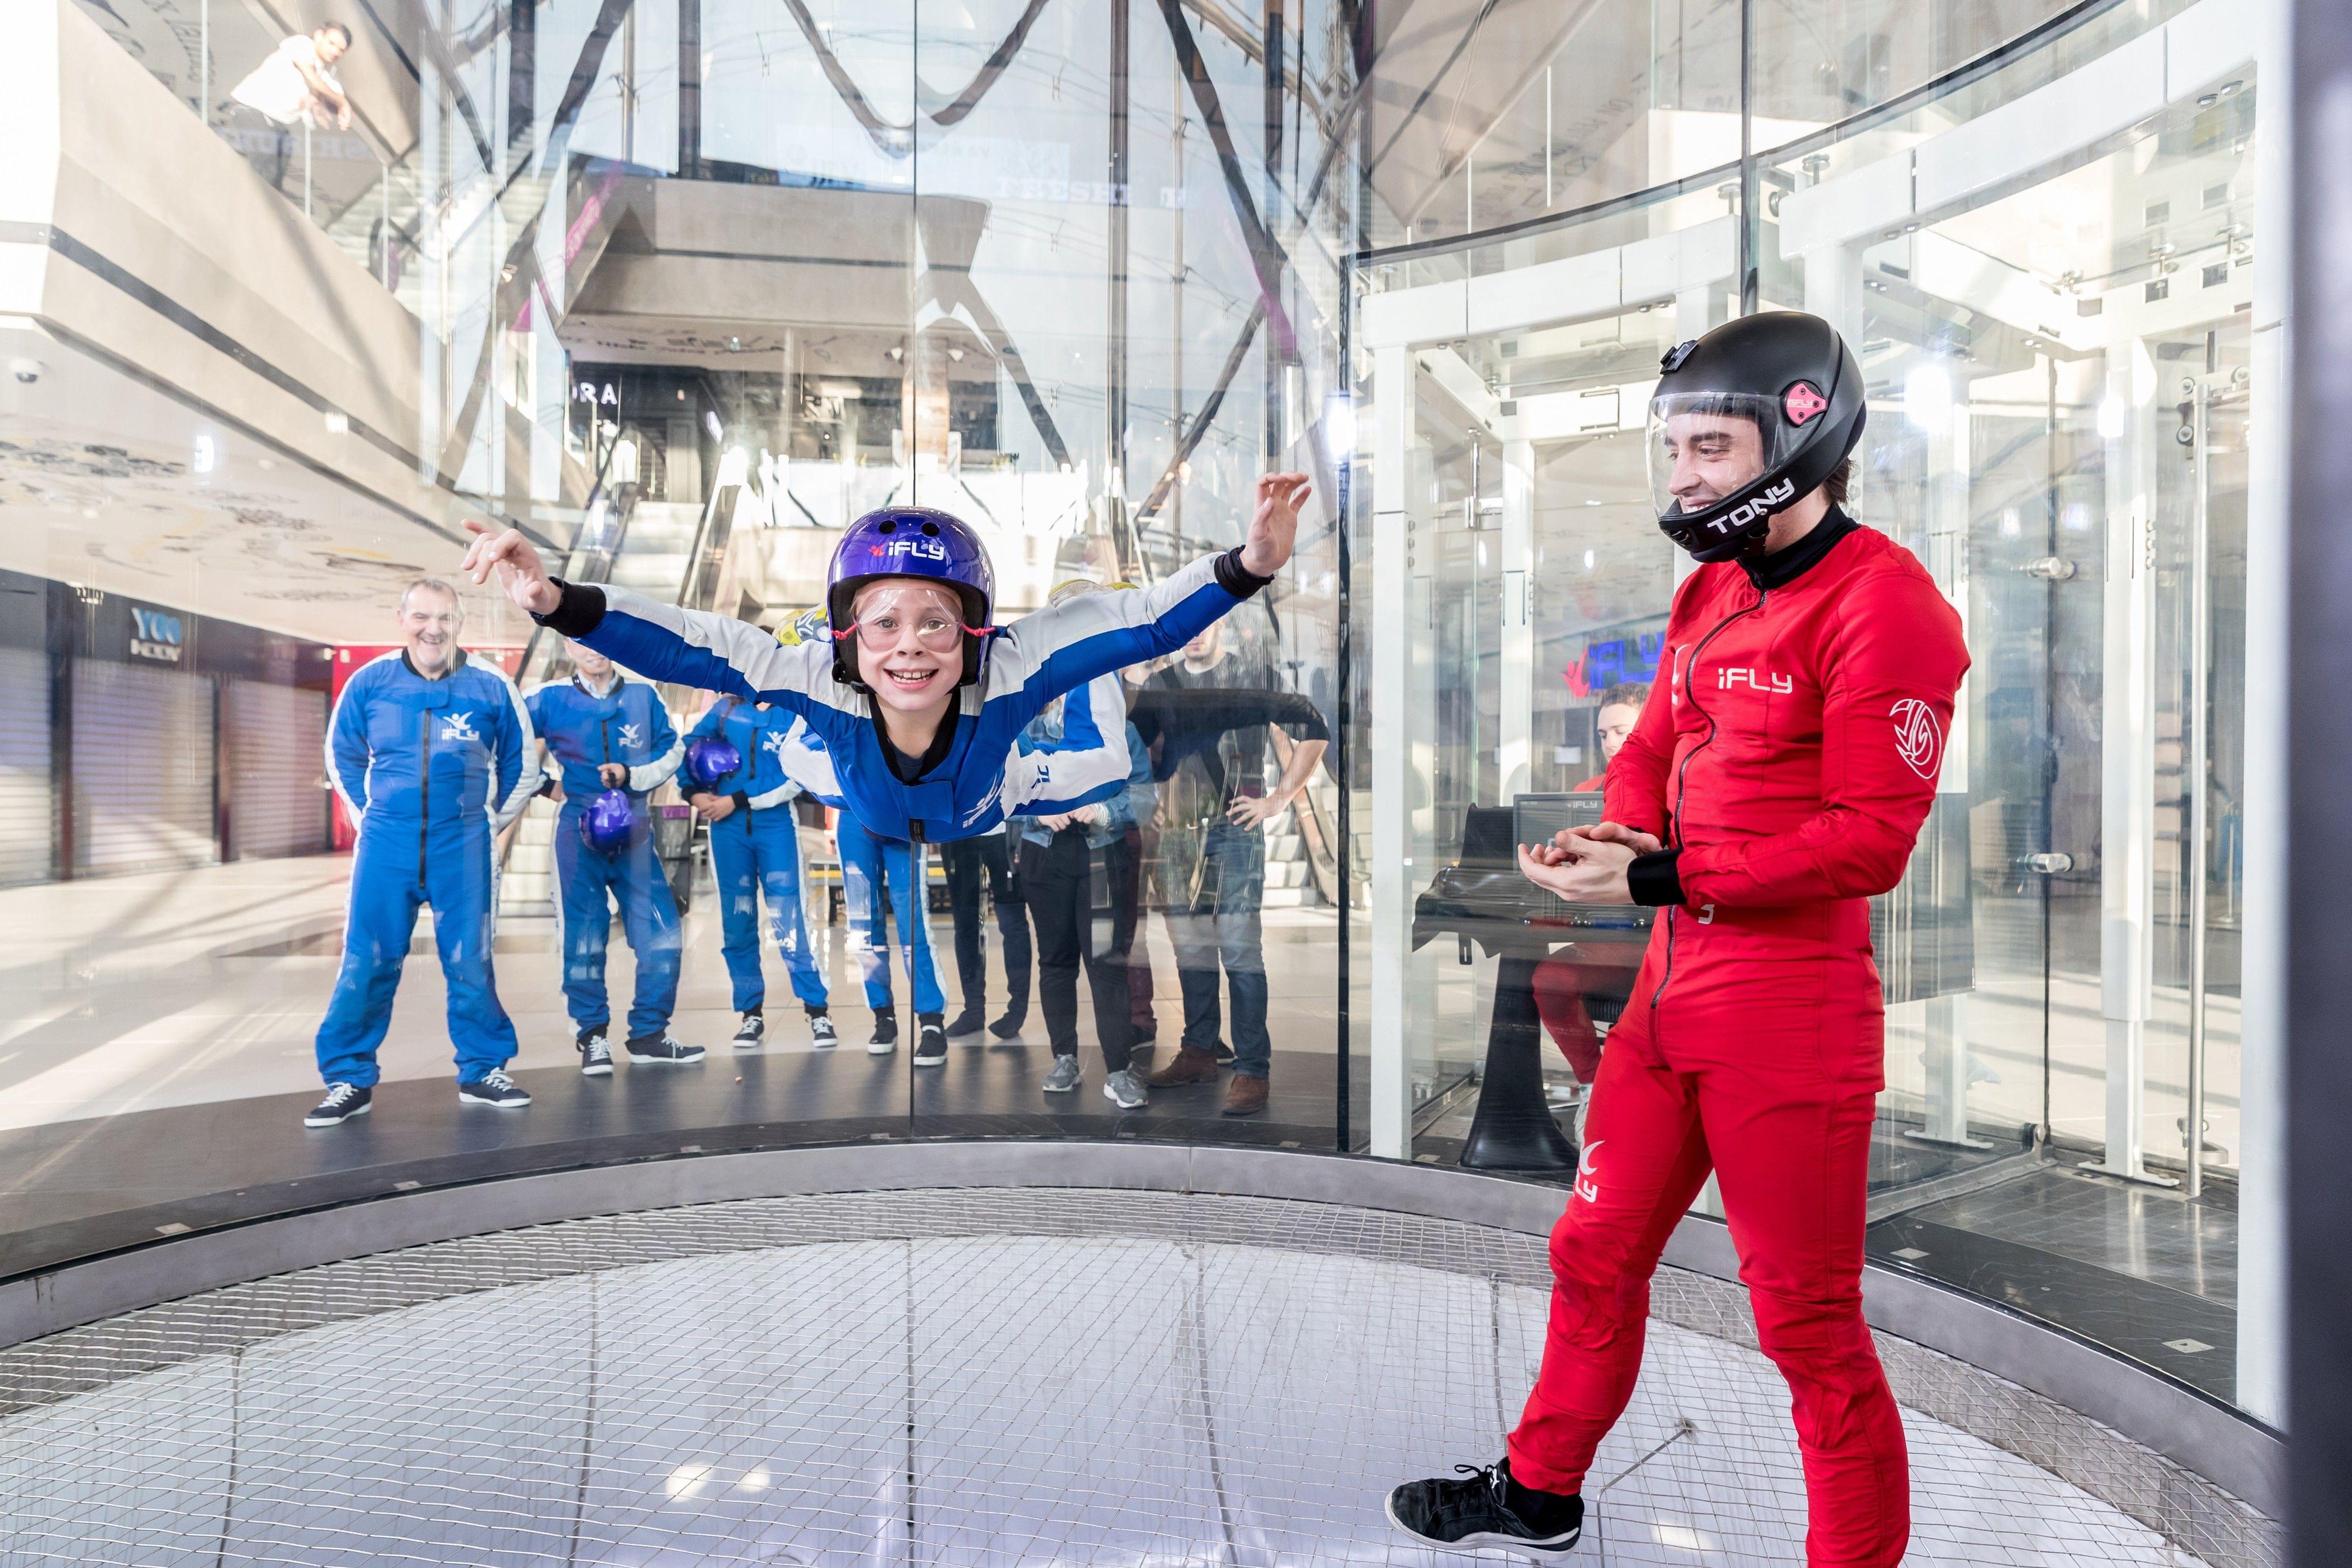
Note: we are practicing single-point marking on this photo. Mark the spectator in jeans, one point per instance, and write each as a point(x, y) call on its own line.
point(1212, 816)
point(297, 82)
point(1078, 875)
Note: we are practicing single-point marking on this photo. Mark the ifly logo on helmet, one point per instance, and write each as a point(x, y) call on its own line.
point(1770, 499)
point(920, 546)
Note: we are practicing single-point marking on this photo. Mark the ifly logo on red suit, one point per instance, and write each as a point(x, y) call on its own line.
point(1588, 1180)
point(1918, 738)
point(1754, 680)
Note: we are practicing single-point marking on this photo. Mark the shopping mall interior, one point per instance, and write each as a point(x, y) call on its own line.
point(678, 292)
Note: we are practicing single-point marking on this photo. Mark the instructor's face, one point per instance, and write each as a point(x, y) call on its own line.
point(1713, 454)
point(428, 628)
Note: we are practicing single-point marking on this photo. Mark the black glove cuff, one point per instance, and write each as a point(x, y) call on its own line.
point(578, 612)
point(742, 802)
point(1236, 579)
point(1655, 880)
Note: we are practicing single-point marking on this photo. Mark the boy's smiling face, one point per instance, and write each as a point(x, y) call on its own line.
point(909, 643)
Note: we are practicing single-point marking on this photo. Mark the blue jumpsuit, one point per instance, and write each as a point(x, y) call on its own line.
point(629, 726)
point(430, 770)
point(866, 863)
point(755, 851)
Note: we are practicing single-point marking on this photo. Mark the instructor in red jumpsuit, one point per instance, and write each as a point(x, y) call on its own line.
point(1776, 781)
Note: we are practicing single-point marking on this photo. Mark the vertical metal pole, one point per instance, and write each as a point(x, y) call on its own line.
point(1271, 206)
point(204, 63)
point(1176, 112)
point(2199, 769)
point(1748, 232)
point(1115, 358)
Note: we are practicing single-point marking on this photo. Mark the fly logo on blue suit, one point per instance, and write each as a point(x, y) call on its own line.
point(430, 769)
point(586, 731)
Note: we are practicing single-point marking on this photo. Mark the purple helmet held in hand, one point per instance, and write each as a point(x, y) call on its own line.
point(610, 824)
point(917, 542)
point(709, 760)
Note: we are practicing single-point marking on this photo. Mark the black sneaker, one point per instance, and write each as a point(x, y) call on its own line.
point(1473, 1513)
point(1010, 1024)
point(821, 1030)
point(972, 1021)
point(751, 1031)
point(343, 1102)
point(595, 1053)
point(494, 1089)
point(663, 1048)
point(886, 1034)
point(931, 1040)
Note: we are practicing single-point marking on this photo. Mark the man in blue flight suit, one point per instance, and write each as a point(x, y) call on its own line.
point(609, 732)
point(755, 853)
point(427, 748)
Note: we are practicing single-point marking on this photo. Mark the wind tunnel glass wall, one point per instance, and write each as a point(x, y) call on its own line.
point(677, 288)
point(2055, 307)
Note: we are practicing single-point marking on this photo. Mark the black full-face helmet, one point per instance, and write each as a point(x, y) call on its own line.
point(1746, 422)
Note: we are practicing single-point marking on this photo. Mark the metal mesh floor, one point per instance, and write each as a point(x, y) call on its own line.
point(943, 1378)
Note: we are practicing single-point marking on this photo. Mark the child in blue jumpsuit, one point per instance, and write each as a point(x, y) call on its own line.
point(920, 699)
point(755, 853)
point(606, 732)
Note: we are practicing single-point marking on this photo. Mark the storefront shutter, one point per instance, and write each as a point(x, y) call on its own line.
point(27, 813)
point(143, 763)
point(276, 794)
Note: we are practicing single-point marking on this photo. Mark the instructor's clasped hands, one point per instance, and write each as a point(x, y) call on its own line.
point(1587, 865)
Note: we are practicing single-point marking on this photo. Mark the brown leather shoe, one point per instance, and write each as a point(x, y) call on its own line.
point(1245, 1096)
point(1188, 1066)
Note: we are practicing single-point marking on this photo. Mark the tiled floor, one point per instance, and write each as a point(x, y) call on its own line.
point(966, 1394)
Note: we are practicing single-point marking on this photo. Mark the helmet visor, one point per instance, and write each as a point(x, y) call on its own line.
point(1707, 445)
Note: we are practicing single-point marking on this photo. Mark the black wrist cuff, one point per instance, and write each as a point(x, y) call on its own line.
point(1655, 880)
point(579, 611)
point(1236, 579)
point(742, 802)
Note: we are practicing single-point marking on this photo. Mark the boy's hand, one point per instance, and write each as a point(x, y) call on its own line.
point(1274, 527)
point(521, 574)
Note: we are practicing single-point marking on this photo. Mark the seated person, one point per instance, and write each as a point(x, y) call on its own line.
point(1565, 981)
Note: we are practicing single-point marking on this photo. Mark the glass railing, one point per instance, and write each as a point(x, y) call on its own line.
point(1081, 284)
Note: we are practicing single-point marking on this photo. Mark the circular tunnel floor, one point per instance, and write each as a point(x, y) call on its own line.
point(1004, 1378)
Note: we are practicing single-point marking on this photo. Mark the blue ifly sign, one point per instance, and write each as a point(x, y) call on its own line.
point(155, 635)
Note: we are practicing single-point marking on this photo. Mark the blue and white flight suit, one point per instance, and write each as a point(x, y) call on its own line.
point(583, 730)
point(755, 851)
point(429, 771)
point(969, 781)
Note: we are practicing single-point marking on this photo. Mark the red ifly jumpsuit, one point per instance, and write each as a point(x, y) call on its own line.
point(1789, 759)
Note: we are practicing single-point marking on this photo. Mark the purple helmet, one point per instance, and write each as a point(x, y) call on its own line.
point(610, 824)
point(710, 759)
point(909, 541)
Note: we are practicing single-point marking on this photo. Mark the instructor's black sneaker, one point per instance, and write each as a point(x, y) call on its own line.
point(886, 1034)
point(663, 1050)
point(821, 1030)
point(972, 1021)
point(595, 1053)
point(931, 1040)
point(751, 1031)
point(495, 1088)
point(1487, 1509)
point(343, 1102)
point(1010, 1024)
